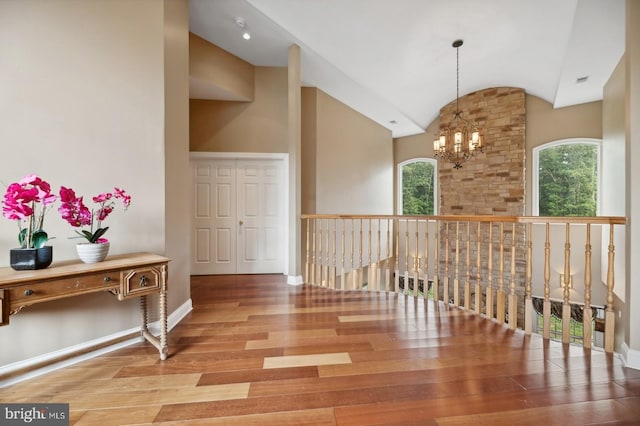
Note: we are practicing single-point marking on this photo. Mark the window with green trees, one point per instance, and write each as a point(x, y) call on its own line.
point(567, 178)
point(417, 180)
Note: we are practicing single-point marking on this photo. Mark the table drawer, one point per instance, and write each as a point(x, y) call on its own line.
point(140, 281)
point(28, 294)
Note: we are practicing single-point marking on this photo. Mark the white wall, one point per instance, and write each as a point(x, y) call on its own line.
point(82, 105)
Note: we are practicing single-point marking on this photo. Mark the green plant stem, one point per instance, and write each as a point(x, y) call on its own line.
point(31, 219)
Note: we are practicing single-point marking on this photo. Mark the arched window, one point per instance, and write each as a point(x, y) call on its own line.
point(417, 183)
point(566, 178)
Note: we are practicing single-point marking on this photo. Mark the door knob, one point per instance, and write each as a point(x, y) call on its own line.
point(241, 222)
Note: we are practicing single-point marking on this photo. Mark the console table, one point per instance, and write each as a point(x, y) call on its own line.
point(125, 276)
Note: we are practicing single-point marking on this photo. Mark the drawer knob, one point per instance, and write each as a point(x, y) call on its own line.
point(28, 292)
point(143, 281)
point(107, 279)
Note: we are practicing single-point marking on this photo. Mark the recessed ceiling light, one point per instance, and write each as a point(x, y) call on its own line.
point(582, 79)
point(240, 22)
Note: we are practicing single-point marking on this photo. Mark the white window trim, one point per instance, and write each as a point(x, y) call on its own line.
point(399, 191)
point(535, 187)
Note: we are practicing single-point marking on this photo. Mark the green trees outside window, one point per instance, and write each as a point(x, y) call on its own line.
point(568, 180)
point(418, 188)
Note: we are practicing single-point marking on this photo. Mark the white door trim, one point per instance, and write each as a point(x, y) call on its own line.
point(284, 157)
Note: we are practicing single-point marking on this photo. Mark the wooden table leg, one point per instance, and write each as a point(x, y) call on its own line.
point(161, 343)
point(164, 346)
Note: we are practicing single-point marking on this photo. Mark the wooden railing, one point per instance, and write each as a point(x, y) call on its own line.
point(489, 265)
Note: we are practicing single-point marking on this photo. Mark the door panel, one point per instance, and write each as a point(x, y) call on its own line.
point(214, 219)
point(238, 217)
point(259, 209)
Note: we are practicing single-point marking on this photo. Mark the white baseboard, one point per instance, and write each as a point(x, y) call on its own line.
point(630, 357)
point(294, 279)
point(48, 359)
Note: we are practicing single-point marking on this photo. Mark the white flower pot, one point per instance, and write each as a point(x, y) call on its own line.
point(92, 253)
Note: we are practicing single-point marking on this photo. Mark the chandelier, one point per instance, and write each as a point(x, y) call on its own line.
point(460, 140)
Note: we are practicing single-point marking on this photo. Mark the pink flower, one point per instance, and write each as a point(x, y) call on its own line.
point(101, 198)
point(120, 193)
point(72, 209)
point(21, 202)
point(103, 213)
point(77, 214)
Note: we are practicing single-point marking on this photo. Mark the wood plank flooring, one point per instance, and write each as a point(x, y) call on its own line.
point(256, 351)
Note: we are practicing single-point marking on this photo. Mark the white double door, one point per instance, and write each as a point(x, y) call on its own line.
point(238, 216)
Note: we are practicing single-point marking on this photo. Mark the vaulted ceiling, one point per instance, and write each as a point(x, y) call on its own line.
point(392, 60)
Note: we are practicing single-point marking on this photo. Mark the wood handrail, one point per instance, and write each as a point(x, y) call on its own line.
point(594, 220)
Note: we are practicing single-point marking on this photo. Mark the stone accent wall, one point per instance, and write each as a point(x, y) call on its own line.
point(493, 182)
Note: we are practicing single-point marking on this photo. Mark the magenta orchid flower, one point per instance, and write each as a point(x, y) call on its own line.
point(73, 210)
point(27, 201)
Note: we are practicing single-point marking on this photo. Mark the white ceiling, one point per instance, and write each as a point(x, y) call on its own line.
point(392, 60)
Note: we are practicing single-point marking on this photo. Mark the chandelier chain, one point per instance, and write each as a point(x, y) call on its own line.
point(457, 78)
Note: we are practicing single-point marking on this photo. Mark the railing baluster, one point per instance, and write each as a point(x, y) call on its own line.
point(500, 307)
point(587, 317)
point(396, 275)
point(387, 280)
point(445, 288)
point(319, 257)
point(307, 263)
point(436, 266)
point(609, 315)
point(361, 265)
point(425, 282)
point(334, 264)
point(546, 309)
point(370, 269)
point(456, 279)
point(327, 268)
point(379, 259)
point(478, 287)
point(513, 300)
point(353, 273)
point(528, 302)
point(313, 252)
point(467, 283)
point(416, 263)
point(343, 278)
point(489, 292)
point(406, 258)
point(566, 308)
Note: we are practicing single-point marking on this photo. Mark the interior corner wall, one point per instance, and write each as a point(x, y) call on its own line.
point(258, 126)
point(353, 161)
point(216, 73)
point(177, 177)
point(632, 157)
point(309, 147)
point(83, 106)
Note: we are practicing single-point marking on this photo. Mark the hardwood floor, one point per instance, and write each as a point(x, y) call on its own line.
point(257, 351)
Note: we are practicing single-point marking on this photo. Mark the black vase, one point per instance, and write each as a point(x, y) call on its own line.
point(25, 259)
